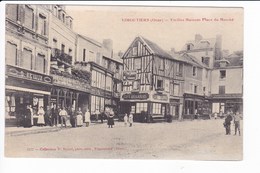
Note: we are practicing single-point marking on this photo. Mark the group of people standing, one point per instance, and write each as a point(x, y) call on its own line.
point(129, 119)
point(227, 123)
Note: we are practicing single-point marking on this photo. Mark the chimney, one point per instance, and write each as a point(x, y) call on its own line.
point(218, 47)
point(108, 44)
point(198, 37)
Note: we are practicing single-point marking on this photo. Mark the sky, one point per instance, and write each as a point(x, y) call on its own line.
point(169, 27)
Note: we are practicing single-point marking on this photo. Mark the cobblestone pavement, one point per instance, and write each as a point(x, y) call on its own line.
point(191, 140)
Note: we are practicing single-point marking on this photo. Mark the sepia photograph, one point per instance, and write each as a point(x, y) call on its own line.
point(123, 82)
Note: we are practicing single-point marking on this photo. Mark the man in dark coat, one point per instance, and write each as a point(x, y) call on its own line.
point(55, 114)
point(227, 123)
point(27, 117)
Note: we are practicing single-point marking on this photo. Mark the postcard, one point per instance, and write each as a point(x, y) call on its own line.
point(123, 82)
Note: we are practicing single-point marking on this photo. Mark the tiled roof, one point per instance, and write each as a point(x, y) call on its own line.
point(233, 60)
point(192, 60)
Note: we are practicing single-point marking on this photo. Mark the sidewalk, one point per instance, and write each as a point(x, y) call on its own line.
point(19, 131)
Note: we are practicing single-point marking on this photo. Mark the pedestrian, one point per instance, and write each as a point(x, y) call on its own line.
point(63, 115)
point(48, 116)
point(102, 117)
point(110, 119)
point(215, 115)
point(71, 113)
point(125, 119)
point(41, 113)
point(79, 118)
point(131, 119)
point(55, 114)
point(27, 122)
point(237, 118)
point(87, 118)
point(227, 123)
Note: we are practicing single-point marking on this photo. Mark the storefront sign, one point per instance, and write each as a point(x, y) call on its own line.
point(71, 83)
point(162, 97)
point(29, 75)
point(136, 96)
point(130, 75)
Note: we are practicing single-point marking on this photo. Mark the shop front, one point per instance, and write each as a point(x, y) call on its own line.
point(195, 106)
point(228, 102)
point(25, 87)
point(145, 106)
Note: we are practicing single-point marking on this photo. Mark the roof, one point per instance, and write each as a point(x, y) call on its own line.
point(156, 49)
point(192, 60)
point(233, 61)
point(91, 40)
point(201, 44)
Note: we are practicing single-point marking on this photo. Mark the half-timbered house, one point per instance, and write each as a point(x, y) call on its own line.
point(152, 82)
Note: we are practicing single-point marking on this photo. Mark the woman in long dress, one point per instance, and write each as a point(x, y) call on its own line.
point(110, 121)
point(79, 118)
point(41, 113)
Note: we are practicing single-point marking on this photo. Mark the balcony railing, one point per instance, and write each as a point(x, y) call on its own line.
point(57, 54)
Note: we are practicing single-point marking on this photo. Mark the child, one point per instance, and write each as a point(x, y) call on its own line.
point(131, 119)
point(125, 119)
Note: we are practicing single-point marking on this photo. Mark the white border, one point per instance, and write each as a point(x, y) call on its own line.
point(251, 124)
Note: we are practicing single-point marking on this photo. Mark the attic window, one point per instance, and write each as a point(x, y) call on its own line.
point(189, 46)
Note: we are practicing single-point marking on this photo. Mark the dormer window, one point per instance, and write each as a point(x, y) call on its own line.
point(189, 46)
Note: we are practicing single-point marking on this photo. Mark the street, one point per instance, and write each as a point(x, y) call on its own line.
point(189, 140)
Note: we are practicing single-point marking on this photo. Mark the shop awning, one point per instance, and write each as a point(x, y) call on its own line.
point(27, 90)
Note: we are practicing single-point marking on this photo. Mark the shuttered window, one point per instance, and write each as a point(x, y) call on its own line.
point(26, 59)
point(11, 54)
point(40, 63)
point(29, 19)
point(222, 90)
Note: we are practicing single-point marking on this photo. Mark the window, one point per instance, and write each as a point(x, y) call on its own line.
point(221, 89)
point(157, 108)
point(171, 89)
point(29, 17)
point(11, 53)
point(195, 89)
point(94, 74)
point(176, 90)
point(84, 54)
point(180, 70)
point(194, 71)
point(26, 60)
point(12, 11)
point(62, 48)
point(42, 25)
point(189, 46)
point(141, 107)
point(222, 74)
point(159, 84)
point(204, 89)
point(70, 24)
point(161, 64)
point(108, 83)
point(40, 63)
